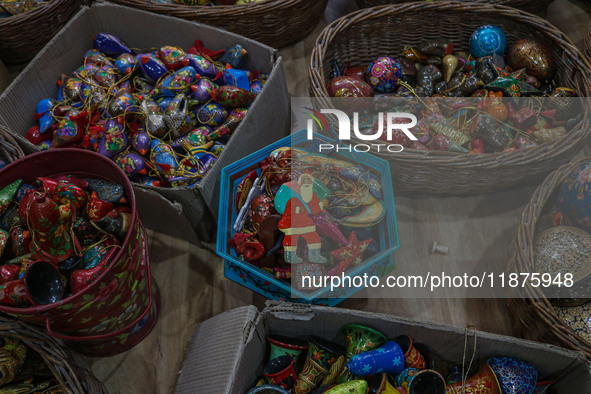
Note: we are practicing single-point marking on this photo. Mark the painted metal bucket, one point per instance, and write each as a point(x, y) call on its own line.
point(121, 306)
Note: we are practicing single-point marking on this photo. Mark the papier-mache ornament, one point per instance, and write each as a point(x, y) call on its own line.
point(298, 202)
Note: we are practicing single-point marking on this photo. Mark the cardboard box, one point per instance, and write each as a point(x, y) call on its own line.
point(266, 121)
point(265, 283)
point(227, 352)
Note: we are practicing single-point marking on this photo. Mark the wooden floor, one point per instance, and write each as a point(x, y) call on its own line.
point(193, 288)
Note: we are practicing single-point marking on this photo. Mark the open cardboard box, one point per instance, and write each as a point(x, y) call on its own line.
point(227, 352)
point(186, 212)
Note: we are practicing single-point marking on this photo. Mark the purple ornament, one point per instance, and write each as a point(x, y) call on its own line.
point(141, 142)
point(131, 163)
point(152, 68)
point(202, 66)
point(114, 140)
point(230, 124)
point(110, 45)
point(202, 90)
point(207, 161)
point(163, 157)
point(327, 225)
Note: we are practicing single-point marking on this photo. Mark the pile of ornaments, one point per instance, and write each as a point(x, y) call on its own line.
point(371, 363)
point(505, 121)
point(563, 247)
point(9, 8)
point(24, 370)
point(57, 235)
point(307, 213)
point(163, 117)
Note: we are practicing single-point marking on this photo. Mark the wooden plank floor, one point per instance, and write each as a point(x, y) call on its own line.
point(193, 287)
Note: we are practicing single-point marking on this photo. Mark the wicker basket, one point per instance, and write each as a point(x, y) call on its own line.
point(587, 45)
point(69, 369)
point(534, 6)
point(353, 40)
point(10, 150)
point(533, 315)
point(23, 35)
point(276, 23)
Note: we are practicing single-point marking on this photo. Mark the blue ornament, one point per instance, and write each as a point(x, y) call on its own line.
point(515, 376)
point(574, 197)
point(126, 63)
point(383, 74)
point(151, 67)
point(110, 45)
point(211, 114)
point(234, 56)
point(488, 40)
point(237, 78)
point(46, 120)
point(389, 358)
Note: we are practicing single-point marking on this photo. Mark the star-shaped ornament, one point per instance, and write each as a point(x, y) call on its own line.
point(513, 84)
point(352, 254)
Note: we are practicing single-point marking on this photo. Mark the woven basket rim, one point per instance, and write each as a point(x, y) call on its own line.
point(522, 256)
point(526, 155)
point(37, 11)
point(7, 135)
point(60, 359)
point(239, 9)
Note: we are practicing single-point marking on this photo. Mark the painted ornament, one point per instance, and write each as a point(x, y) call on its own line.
point(345, 86)
point(534, 56)
point(574, 197)
point(383, 74)
point(232, 96)
point(110, 45)
point(488, 40)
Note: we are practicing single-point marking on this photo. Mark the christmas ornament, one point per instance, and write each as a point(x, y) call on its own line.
point(488, 40)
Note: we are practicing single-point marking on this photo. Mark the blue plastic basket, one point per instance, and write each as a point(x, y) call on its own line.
point(265, 283)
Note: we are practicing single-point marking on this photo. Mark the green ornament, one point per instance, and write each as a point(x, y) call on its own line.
point(7, 195)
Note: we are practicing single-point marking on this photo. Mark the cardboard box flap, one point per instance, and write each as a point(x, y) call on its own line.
point(215, 349)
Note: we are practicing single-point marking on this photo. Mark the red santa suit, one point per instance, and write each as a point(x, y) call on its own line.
point(296, 225)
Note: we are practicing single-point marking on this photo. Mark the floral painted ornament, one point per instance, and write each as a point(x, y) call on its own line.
point(114, 140)
point(172, 56)
point(7, 195)
point(131, 163)
point(107, 191)
point(155, 123)
point(383, 74)
point(126, 63)
point(232, 96)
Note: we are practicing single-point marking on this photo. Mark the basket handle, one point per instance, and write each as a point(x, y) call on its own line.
point(102, 336)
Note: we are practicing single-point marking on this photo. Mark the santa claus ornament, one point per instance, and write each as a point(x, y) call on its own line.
point(298, 202)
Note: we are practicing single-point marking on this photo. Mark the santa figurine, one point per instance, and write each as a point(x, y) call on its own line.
point(298, 201)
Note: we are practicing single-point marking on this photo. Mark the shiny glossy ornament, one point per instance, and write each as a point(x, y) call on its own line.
point(34, 136)
point(202, 90)
point(96, 208)
point(232, 96)
point(383, 74)
point(68, 130)
point(178, 82)
point(141, 142)
point(450, 63)
point(7, 195)
point(163, 156)
point(115, 223)
point(211, 114)
point(155, 123)
point(574, 197)
point(20, 240)
point(43, 283)
point(348, 87)
point(534, 56)
point(44, 111)
point(152, 68)
point(281, 346)
point(229, 125)
point(9, 272)
point(172, 56)
point(71, 89)
point(204, 67)
point(280, 372)
point(80, 279)
point(68, 194)
point(3, 240)
point(491, 131)
point(236, 77)
point(177, 118)
point(122, 104)
point(50, 239)
point(488, 40)
point(234, 56)
point(515, 376)
point(195, 138)
point(131, 163)
point(260, 208)
point(256, 86)
point(14, 293)
point(362, 338)
point(126, 63)
point(114, 140)
point(107, 191)
point(92, 95)
point(483, 382)
point(105, 76)
point(110, 45)
point(388, 358)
